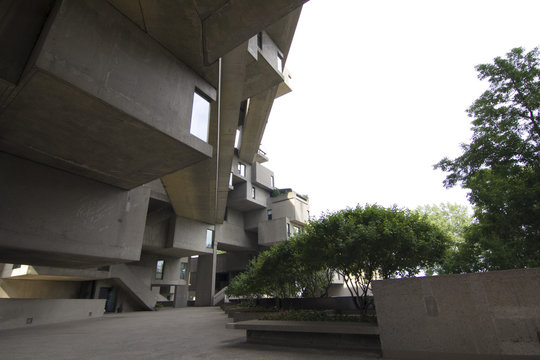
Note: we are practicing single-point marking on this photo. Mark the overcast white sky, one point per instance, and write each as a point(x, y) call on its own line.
point(380, 90)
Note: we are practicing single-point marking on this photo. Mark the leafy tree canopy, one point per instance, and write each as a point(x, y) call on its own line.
point(368, 242)
point(501, 165)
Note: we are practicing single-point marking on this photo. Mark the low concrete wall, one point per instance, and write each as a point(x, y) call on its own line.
point(493, 315)
point(16, 313)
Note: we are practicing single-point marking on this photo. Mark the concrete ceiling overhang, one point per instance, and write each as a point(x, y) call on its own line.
point(199, 32)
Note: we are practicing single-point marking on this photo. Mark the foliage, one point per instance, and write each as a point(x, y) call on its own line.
point(316, 315)
point(368, 242)
point(278, 273)
point(455, 220)
point(501, 166)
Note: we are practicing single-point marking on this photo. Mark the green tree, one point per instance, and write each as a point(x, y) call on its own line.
point(368, 242)
point(277, 272)
point(456, 221)
point(501, 165)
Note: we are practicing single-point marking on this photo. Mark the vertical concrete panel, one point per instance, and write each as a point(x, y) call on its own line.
point(206, 276)
point(473, 316)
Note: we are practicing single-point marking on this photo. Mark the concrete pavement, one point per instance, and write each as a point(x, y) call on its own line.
point(187, 333)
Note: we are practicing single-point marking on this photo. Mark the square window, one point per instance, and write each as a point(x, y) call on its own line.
point(209, 238)
point(200, 117)
point(160, 267)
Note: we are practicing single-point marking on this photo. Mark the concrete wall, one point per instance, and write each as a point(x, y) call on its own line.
point(273, 231)
point(16, 313)
point(261, 176)
point(291, 206)
point(232, 233)
point(95, 48)
point(493, 315)
point(253, 218)
point(102, 99)
point(50, 217)
point(232, 262)
point(241, 197)
point(39, 289)
point(190, 235)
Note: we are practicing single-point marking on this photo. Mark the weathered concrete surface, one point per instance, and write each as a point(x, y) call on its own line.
point(17, 313)
point(187, 333)
point(50, 217)
point(493, 315)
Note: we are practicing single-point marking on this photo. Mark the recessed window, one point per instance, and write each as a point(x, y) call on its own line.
point(160, 269)
point(209, 238)
point(237, 139)
point(280, 61)
point(200, 117)
point(260, 40)
point(241, 169)
point(269, 214)
point(16, 266)
point(183, 268)
point(296, 229)
point(272, 185)
point(230, 179)
point(288, 229)
point(253, 192)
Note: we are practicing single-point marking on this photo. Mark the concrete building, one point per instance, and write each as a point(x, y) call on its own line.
point(129, 143)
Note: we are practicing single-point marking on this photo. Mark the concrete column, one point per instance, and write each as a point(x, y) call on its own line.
point(181, 293)
point(206, 280)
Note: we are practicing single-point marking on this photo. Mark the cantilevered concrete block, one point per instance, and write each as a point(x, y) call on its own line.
point(102, 99)
point(50, 217)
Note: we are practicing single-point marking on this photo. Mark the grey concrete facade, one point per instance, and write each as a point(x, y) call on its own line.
point(106, 191)
point(493, 315)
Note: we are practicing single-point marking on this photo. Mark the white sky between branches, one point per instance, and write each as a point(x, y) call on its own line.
point(380, 90)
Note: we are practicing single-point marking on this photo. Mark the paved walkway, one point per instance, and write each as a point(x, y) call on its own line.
point(188, 333)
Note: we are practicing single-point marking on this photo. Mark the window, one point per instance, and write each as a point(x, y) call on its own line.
point(272, 181)
point(209, 238)
point(296, 229)
point(237, 139)
point(288, 230)
point(280, 61)
point(200, 117)
point(230, 179)
point(16, 266)
point(183, 268)
point(260, 40)
point(241, 169)
point(160, 267)
point(253, 192)
point(269, 214)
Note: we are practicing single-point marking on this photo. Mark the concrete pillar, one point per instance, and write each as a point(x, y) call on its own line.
point(206, 280)
point(181, 293)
